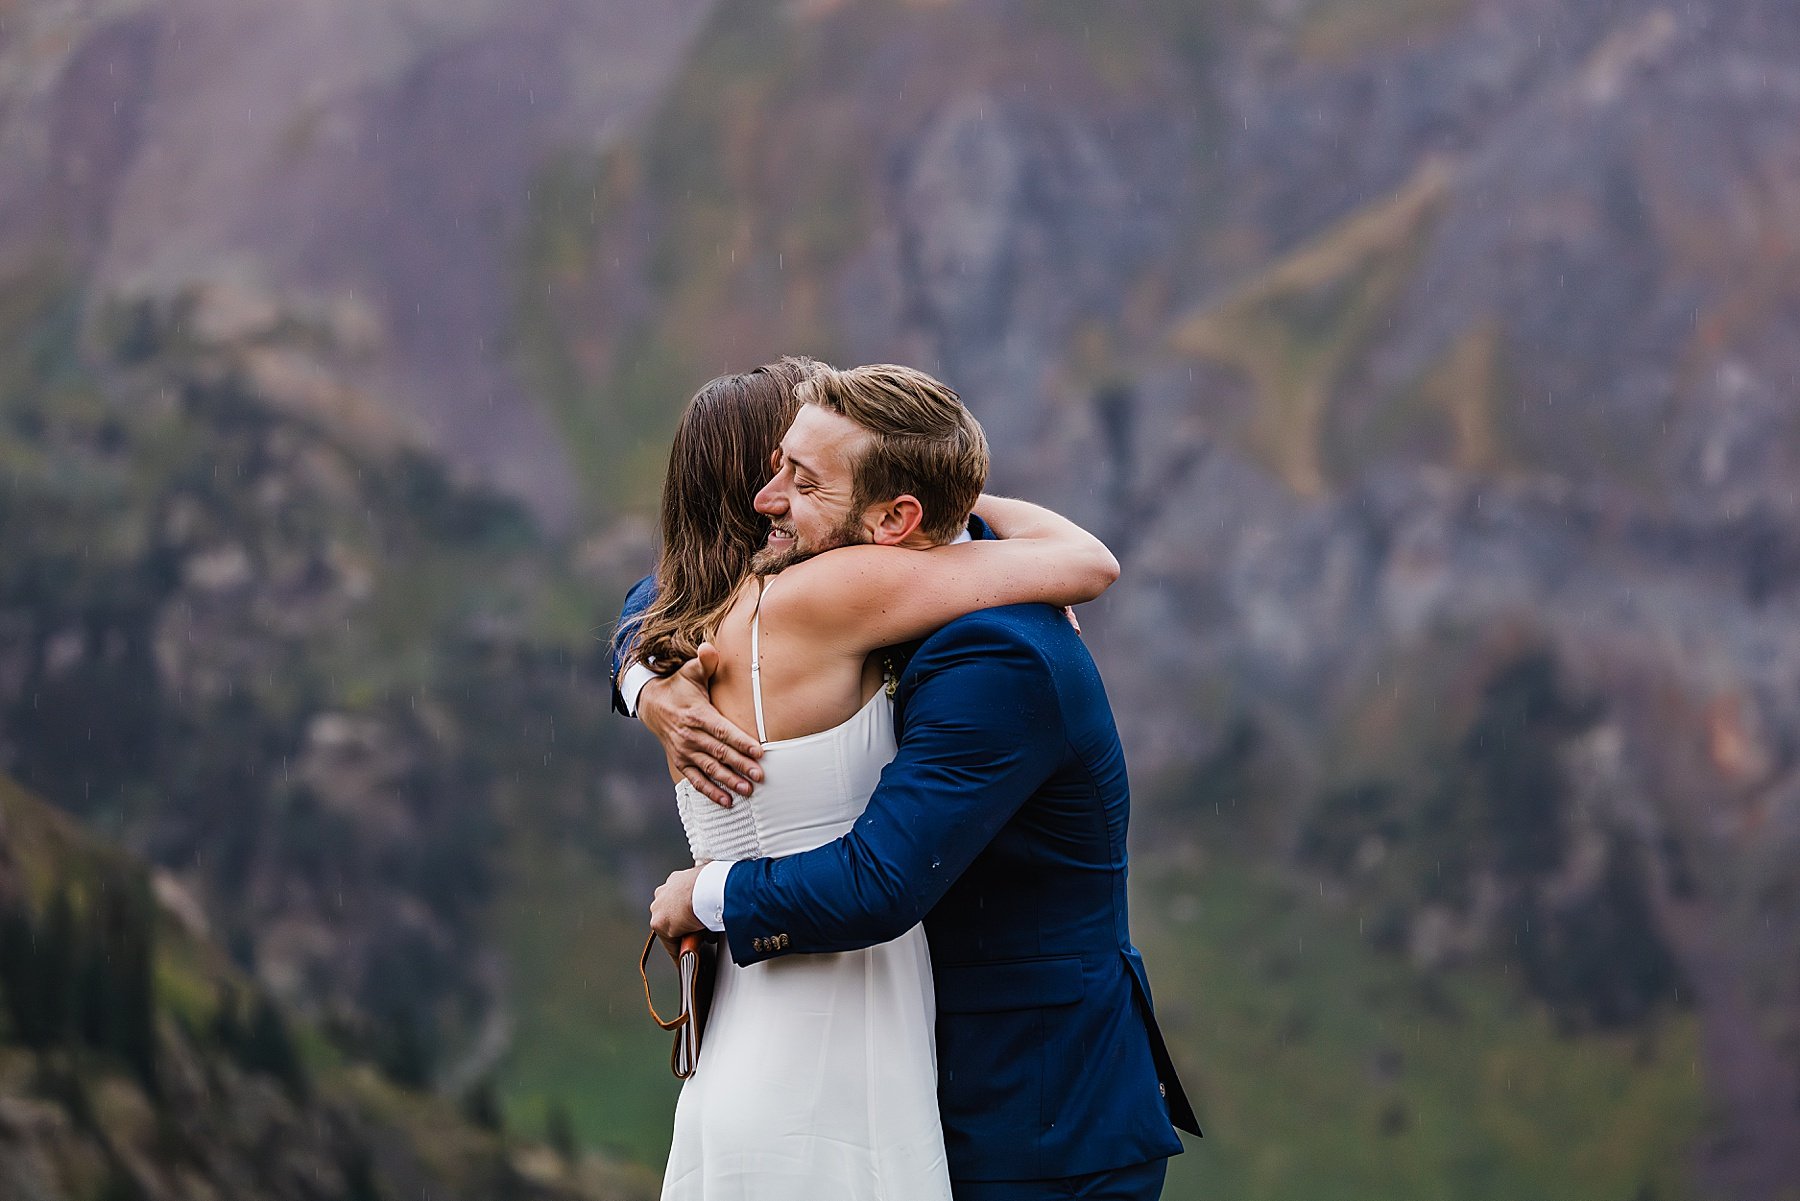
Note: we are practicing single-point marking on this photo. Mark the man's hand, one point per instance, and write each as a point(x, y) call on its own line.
point(707, 751)
point(672, 909)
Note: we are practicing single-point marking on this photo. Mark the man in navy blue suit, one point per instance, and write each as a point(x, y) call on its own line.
point(1001, 824)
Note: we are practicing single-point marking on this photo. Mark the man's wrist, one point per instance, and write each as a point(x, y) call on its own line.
point(709, 894)
point(631, 685)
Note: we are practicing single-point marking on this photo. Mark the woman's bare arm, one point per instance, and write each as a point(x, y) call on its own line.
point(864, 597)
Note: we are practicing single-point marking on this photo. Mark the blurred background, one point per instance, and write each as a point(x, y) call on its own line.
point(1430, 365)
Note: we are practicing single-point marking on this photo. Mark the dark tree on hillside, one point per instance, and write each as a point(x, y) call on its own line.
point(118, 1003)
point(120, 1184)
point(56, 966)
point(227, 1023)
point(481, 1105)
point(1512, 754)
point(269, 1048)
point(358, 1166)
point(1598, 959)
point(19, 977)
point(404, 1050)
point(559, 1131)
point(85, 976)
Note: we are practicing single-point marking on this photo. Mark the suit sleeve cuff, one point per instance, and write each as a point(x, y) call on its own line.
point(709, 894)
point(631, 685)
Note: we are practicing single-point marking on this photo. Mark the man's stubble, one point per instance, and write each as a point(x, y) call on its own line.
point(768, 562)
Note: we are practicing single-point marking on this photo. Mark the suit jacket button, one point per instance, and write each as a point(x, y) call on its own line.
point(781, 942)
point(756, 945)
point(1162, 1088)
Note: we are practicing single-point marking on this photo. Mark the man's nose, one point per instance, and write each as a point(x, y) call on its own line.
point(770, 502)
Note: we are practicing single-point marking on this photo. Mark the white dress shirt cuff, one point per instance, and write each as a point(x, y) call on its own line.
point(709, 894)
point(631, 685)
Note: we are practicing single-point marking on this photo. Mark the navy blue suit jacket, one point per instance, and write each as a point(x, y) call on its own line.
point(641, 596)
point(1001, 824)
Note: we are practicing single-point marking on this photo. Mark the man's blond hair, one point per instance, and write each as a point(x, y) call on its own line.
point(923, 441)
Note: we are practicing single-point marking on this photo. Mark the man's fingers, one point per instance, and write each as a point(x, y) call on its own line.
point(738, 764)
point(720, 776)
point(716, 761)
point(705, 787)
point(736, 740)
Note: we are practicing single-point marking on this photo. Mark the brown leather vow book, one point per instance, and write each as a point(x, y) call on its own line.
point(696, 967)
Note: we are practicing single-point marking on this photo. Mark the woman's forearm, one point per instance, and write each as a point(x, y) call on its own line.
point(1010, 518)
point(1091, 566)
point(1040, 558)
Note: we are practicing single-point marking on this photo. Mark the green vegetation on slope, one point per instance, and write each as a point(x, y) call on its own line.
point(583, 1039)
point(1326, 1070)
point(136, 1061)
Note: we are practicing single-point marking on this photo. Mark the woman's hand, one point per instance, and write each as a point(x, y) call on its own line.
point(702, 747)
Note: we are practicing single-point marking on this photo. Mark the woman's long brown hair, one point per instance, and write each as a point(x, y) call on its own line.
point(719, 462)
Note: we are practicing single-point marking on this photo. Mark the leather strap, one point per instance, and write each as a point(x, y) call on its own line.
point(644, 972)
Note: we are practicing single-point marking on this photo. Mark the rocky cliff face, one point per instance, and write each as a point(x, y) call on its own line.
point(1398, 348)
point(1430, 362)
point(375, 157)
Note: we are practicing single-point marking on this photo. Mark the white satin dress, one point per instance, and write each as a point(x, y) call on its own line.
point(817, 1078)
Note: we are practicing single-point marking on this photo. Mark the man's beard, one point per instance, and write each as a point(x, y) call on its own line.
point(769, 561)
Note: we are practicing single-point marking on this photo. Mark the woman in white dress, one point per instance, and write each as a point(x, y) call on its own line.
point(817, 1076)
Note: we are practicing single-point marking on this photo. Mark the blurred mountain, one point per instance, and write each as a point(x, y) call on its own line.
point(374, 158)
point(261, 640)
point(1430, 363)
point(136, 1062)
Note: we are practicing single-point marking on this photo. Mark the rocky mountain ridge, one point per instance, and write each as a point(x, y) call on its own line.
point(1430, 363)
point(374, 158)
point(269, 644)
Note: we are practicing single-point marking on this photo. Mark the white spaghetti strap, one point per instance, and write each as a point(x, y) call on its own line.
point(762, 733)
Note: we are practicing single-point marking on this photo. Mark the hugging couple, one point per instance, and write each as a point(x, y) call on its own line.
point(926, 983)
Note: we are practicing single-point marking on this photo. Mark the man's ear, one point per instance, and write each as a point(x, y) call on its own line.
point(894, 522)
